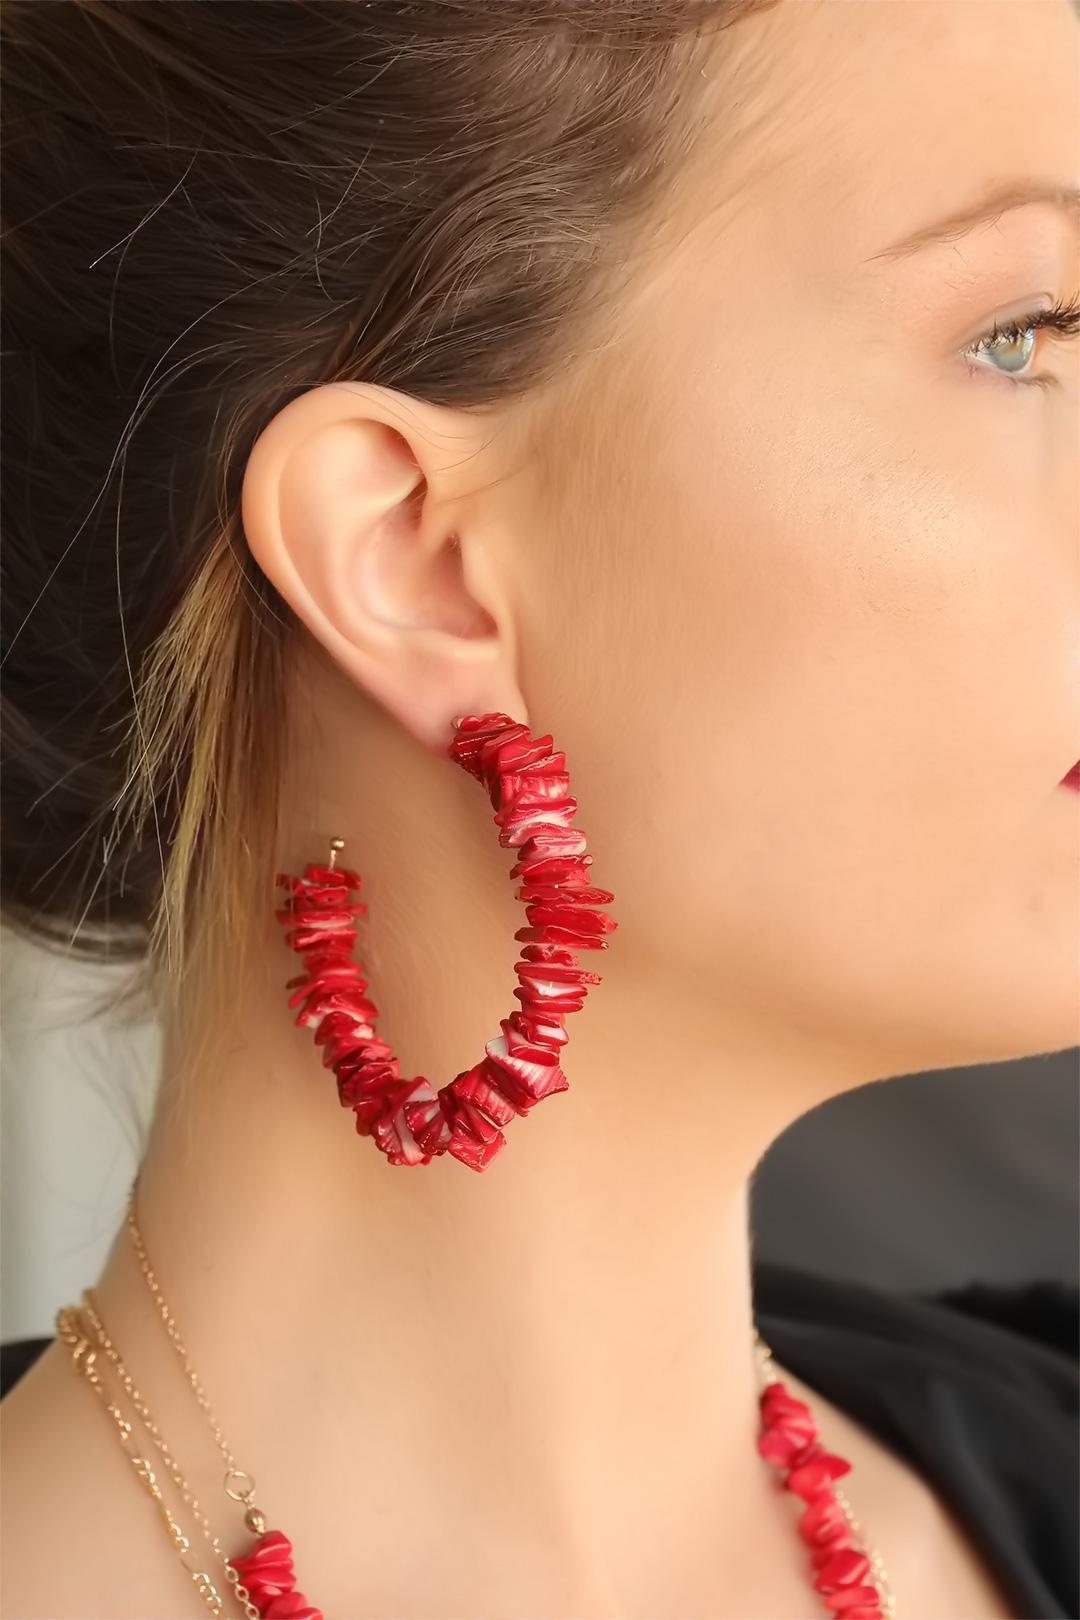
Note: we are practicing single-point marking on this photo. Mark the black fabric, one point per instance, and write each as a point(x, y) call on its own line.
point(15, 1358)
point(977, 1388)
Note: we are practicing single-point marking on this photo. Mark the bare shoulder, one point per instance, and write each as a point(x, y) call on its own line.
point(934, 1568)
point(72, 1548)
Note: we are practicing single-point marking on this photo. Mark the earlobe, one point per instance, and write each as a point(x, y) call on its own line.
point(357, 505)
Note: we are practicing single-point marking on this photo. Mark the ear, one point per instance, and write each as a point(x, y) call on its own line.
point(365, 508)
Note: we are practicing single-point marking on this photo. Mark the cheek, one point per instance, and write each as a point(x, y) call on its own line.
point(845, 685)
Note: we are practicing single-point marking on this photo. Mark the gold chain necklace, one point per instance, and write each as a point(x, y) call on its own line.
point(266, 1573)
point(84, 1354)
point(238, 1483)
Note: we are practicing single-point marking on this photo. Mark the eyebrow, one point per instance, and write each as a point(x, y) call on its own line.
point(997, 202)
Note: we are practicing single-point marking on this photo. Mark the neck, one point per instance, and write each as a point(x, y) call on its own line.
point(530, 1389)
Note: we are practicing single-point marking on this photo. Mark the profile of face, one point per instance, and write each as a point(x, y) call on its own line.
point(846, 627)
point(789, 566)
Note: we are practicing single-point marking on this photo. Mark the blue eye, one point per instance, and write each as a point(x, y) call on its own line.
point(1014, 345)
point(1014, 342)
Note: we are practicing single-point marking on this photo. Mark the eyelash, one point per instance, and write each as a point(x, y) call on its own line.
point(1062, 318)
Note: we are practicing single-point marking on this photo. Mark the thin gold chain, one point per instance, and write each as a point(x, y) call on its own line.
point(234, 1471)
point(242, 1594)
point(85, 1356)
point(769, 1373)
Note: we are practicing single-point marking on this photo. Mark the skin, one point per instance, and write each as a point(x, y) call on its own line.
point(794, 585)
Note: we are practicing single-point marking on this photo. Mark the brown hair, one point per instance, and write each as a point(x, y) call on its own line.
point(210, 208)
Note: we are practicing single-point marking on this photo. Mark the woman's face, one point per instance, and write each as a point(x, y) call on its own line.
point(817, 611)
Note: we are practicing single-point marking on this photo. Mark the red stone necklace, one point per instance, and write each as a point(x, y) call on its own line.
point(845, 1570)
point(848, 1572)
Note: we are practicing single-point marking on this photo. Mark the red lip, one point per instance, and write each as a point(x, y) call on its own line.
point(1073, 778)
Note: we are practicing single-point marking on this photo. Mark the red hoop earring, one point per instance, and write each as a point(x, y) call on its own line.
point(411, 1123)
